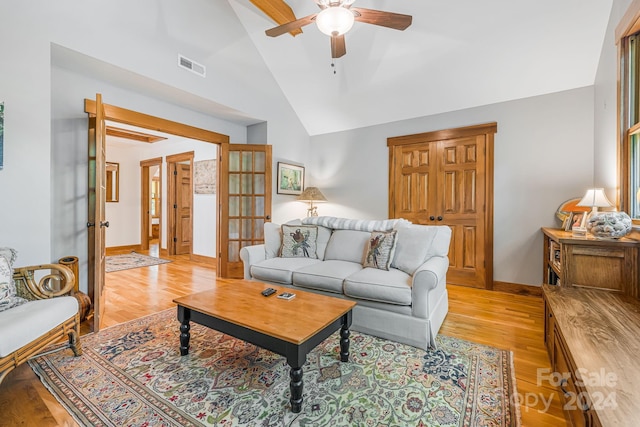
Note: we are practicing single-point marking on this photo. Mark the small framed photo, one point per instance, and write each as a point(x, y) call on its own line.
point(290, 179)
point(576, 221)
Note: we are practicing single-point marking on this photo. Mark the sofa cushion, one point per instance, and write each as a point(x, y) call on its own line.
point(347, 245)
point(379, 250)
point(417, 243)
point(299, 241)
point(23, 324)
point(8, 296)
point(279, 270)
point(392, 286)
point(326, 276)
point(324, 234)
point(272, 239)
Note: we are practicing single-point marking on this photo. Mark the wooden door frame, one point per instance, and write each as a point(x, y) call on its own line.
point(172, 160)
point(134, 118)
point(144, 201)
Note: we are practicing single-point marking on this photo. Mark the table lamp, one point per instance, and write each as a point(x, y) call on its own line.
point(312, 195)
point(595, 198)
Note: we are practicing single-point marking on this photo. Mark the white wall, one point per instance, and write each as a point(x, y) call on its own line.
point(124, 215)
point(544, 146)
point(44, 179)
point(543, 156)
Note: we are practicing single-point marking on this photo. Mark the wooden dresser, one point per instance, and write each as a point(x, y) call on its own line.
point(593, 340)
point(590, 262)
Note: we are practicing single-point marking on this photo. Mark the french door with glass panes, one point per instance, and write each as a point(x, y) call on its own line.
point(244, 203)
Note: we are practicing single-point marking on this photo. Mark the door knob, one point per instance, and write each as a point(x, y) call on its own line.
point(432, 217)
point(439, 218)
point(268, 216)
point(104, 224)
point(91, 224)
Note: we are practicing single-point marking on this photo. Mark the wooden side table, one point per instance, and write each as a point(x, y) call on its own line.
point(589, 262)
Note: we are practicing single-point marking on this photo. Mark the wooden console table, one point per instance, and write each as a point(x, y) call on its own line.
point(593, 340)
point(590, 262)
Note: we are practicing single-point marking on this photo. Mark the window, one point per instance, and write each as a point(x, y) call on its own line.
point(628, 37)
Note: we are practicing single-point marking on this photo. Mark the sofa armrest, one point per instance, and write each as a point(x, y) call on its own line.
point(251, 255)
point(57, 280)
point(432, 274)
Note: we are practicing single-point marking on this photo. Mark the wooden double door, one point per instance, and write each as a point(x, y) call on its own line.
point(446, 178)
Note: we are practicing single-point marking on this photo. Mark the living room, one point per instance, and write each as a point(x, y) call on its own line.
point(551, 145)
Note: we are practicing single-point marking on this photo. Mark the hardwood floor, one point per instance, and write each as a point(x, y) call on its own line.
point(494, 318)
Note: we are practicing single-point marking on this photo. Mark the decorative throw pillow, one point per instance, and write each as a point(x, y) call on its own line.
point(8, 297)
point(299, 241)
point(380, 249)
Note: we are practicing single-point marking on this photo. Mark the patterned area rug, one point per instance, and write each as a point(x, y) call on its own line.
point(132, 260)
point(132, 374)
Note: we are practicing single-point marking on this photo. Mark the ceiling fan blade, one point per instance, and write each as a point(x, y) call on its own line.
point(338, 46)
point(392, 20)
point(290, 26)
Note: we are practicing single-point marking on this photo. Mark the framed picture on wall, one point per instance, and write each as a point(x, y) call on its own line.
point(290, 179)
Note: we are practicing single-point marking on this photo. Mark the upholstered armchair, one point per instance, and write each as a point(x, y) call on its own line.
point(35, 311)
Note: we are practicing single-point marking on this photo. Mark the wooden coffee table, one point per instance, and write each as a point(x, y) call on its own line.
point(291, 328)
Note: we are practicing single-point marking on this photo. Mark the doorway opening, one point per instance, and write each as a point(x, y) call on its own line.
point(132, 118)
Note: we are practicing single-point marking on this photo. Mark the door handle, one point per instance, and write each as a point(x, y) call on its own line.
point(104, 224)
point(432, 218)
point(91, 224)
point(268, 217)
point(439, 218)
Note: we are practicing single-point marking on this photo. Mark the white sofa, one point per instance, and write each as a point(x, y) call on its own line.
point(406, 303)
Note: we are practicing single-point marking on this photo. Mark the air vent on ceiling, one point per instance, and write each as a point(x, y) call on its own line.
point(192, 66)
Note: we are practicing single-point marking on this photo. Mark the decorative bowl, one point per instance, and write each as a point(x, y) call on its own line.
point(609, 225)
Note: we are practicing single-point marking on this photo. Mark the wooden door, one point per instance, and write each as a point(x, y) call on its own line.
point(446, 178)
point(180, 203)
point(184, 202)
point(460, 204)
point(96, 211)
point(244, 203)
point(146, 200)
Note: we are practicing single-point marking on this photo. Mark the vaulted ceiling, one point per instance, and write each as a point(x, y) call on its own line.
point(456, 54)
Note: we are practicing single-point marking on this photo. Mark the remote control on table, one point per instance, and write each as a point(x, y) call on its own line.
point(269, 291)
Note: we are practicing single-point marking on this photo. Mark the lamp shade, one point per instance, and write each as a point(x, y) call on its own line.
point(595, 197)
point(335, 20)
point(312, 194)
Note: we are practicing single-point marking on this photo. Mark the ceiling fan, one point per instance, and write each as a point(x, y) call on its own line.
point(336, 17)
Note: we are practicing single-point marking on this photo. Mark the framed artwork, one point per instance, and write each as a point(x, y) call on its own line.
point(290, 179)
point(205, 177)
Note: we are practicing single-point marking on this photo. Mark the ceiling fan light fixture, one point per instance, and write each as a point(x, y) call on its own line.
point(335, 20)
